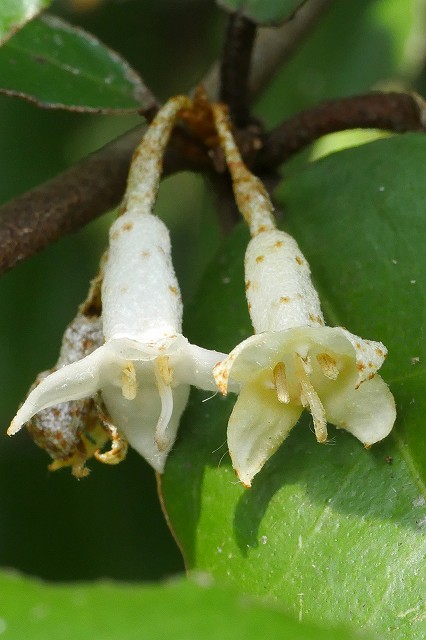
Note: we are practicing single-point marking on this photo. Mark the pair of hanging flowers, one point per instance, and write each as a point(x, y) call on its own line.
point(125, 369)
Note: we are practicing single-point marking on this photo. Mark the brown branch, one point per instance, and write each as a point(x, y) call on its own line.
point(273, 46)
point(235, 67)
point(398, 112)
point(77, 196)
point(67, 202)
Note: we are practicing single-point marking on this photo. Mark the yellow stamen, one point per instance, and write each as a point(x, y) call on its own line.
point(162, 365)
point(128, 381)
point(328, 366)
point(280, 382)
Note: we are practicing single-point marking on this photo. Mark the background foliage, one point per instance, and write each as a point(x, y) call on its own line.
point(45, 517)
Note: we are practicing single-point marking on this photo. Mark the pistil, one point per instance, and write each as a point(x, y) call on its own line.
point(309, 397)
point(163, 378)
point(328, 366)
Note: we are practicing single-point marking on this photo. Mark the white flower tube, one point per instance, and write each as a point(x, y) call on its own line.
point(144, 369)
point(293, 361)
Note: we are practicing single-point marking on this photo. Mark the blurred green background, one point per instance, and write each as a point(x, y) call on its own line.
point(110, 524)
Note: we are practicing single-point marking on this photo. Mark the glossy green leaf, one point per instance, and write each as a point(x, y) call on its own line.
point(180, 610)
point(334, 533)
point(263, 11)
point(61, 66)
point(15, 13)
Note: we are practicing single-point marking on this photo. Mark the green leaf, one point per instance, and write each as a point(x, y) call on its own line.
point(180, 610)
point(355, 47)
point(57, 65)
point(334, 533)
point(15, 13)
point(271, 12)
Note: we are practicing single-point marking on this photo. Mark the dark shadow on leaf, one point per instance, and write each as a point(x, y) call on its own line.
point(201, 444)
point(341, 475)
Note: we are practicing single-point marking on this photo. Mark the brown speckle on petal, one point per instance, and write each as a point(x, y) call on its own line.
point(222, 381)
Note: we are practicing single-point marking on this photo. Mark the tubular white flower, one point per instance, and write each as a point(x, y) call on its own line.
point(144, 369)
point(294, 361)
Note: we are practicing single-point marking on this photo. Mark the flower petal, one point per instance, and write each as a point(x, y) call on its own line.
point(258, 425)
point(137, 419)
point(369, 354)
point(74, 381)
point(140, 294)
point(367, 412)
point(247, 359)
point(279, 290)
point(194, 365)
point(264, 350)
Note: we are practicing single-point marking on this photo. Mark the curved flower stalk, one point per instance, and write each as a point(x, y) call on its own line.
point(294, 361)
point(144, 369)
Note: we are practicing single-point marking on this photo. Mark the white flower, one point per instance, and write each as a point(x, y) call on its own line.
point(144, 369)
point(293, 361)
